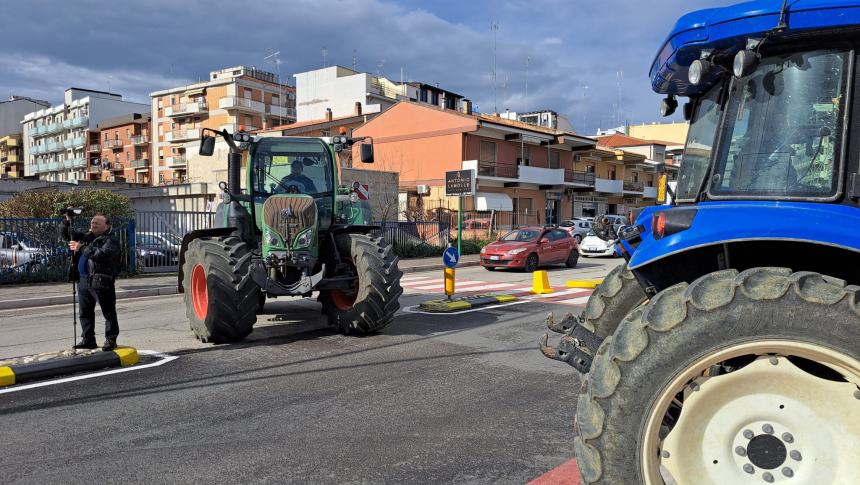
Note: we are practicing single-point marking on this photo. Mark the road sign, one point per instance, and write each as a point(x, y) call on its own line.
point(361, 190)
point(451, 257)
point(460, 182)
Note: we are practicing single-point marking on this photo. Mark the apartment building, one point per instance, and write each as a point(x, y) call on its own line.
point(232, 98)
point(546, 118)
point(55, 138)
point(674, 133)
point(120, 150)
point(641, 176)
point(518, 167)
point(338, 89)
point(11, 157)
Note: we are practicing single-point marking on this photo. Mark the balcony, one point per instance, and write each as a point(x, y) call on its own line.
point(95, 147)
point(75, 163)
point(185, 109)
point(578, 178)
point(649, 192)
point(280, 111)
point(631, 186)
point(116, 167)
point(177, 162)
point(140, 140)
point(241, 104)
point(608, 186)
point(52, 147)
point(77, 122)
point(53, 166)
point(182, 135)
point(522, 173)
point(112, 144)
point(96, 169)
point(36, 168)
point(140, 163)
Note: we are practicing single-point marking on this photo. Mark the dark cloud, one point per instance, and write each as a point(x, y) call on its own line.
point(135, 48)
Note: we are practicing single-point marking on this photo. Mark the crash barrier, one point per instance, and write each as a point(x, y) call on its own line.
point(32, 250)
point(158, 237)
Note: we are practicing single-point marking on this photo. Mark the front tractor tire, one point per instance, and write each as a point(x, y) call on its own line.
point(221, 299)
point(735, 378)
point(612, 300)
point(372, 307)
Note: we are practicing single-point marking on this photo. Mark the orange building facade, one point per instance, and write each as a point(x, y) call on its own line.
point(118, 151)
point(517, 166)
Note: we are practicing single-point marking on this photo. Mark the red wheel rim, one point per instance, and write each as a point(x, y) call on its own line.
point(343, 301)
point(199, 292)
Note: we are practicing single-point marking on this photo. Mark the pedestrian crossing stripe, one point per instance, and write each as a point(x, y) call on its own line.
point(560, 295)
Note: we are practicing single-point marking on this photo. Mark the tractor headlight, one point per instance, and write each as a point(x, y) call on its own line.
point(697, 71)
point(272, 238)
point(304, 239)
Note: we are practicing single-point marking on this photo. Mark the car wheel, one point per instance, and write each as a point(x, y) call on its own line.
point(531, 263)
point(489, 268)
point(572, 258)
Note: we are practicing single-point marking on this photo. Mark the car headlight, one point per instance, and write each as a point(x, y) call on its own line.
point(516, 251)
point(151, 252)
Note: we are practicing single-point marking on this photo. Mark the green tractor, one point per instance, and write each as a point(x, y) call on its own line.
point(293, 230)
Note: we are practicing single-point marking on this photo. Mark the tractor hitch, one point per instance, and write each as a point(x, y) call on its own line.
point(304, 285)
point(577, 346)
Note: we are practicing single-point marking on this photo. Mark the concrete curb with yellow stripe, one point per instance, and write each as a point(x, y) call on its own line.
point(464, 303)
point(16, 374)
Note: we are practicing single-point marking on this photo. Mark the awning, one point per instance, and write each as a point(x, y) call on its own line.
point(192, 92)
point(488, 201)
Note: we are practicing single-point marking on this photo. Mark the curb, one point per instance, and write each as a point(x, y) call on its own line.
point(16, 374)
point(465, 303)
point(167, 290)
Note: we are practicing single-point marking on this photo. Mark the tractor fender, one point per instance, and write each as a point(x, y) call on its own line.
point(186, 240)
point(736, 221)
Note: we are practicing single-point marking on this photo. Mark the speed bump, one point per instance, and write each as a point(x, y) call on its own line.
point(464, 303)
point(592, 283)
point(16, 374)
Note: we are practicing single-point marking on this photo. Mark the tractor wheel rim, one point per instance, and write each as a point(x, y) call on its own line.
point(768, 422)
point(199, 292)
point(342, 300)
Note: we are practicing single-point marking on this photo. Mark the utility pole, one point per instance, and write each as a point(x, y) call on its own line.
point(494, 26)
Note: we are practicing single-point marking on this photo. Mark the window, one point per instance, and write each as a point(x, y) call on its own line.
point(325, 133)
point(424, 95)
point(127, 133)
point(782, 128)
point(434, 98)
point(160, 103)
point(611, 173)
point(246, 93)
point(553, 159)
point(127, 156)
point(525, 155)
point(558, 235)
point(589, 169)
point(488, 152)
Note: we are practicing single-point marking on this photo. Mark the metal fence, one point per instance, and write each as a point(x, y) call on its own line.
point(32, 250)
point(158, 237)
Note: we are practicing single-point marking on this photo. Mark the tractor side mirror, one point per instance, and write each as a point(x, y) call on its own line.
point(207, 145)
point(367, 153)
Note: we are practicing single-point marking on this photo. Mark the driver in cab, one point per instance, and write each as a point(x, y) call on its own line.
point(297, 178)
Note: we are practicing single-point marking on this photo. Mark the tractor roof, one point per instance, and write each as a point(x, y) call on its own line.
point(727, 29)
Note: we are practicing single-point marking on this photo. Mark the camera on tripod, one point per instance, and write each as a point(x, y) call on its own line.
point(71, 211)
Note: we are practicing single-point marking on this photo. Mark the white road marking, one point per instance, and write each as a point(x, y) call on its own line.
point(409, 279)
point(465, 284)
point(165, 358)
point(414, 309)
point(582, 300)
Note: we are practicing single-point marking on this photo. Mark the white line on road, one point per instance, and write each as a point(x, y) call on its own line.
point(407, 279)
point(456, 285)
point(165, 358)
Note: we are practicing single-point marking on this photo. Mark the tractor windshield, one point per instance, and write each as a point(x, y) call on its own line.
point(700, 142)
point(295, 166)
point(781, 132)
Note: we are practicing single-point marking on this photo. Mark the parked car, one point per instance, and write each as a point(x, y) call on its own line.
point(578, 228)
point(21, 254)
point(157, 249)
point(530, 247)
point(594, 246)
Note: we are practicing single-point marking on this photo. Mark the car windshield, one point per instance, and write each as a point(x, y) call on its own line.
point(521, 235)
point(173, 239)
point(782, 128)
point(292, 166)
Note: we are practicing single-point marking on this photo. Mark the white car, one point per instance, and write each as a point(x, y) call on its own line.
point(594, 246)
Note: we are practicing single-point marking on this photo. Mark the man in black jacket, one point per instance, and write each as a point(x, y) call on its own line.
point(95, 264)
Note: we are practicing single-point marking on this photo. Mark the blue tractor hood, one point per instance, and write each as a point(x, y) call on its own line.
point(727, 29)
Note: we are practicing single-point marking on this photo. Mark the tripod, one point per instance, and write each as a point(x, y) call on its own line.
point(74, 301)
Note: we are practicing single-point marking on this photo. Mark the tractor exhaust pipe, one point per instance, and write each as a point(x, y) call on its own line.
point(234, 171)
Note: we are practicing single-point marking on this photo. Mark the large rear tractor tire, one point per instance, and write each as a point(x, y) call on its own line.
point(221, 300)
point(373, 306)
point(612, 300)
point(741, 378)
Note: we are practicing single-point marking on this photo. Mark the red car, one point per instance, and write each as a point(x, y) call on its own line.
point(530, 247)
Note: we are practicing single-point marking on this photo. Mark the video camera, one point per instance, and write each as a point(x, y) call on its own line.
point(71, 211)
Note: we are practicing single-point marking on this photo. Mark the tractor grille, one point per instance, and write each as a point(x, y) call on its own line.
point(289, 215)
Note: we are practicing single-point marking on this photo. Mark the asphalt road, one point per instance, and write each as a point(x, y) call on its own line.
point(462, 398)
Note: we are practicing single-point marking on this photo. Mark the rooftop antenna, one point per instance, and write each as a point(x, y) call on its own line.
point(325, 56)
point(274, 57)
point(505, 92)
point(379, 68)
point(584, 106)
point(353, 60)
point(528, 58)
point(494, 26)
point(620, 81)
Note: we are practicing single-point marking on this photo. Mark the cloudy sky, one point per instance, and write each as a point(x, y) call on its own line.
point(587, 60)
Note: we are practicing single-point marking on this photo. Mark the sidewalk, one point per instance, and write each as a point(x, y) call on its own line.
point(43, 294)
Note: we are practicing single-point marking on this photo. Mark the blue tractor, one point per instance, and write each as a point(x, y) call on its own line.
point(727, 349)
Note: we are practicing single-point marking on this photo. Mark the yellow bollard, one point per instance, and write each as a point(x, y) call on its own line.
point(449, 282)
point(540, 283)
point(592, 283)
